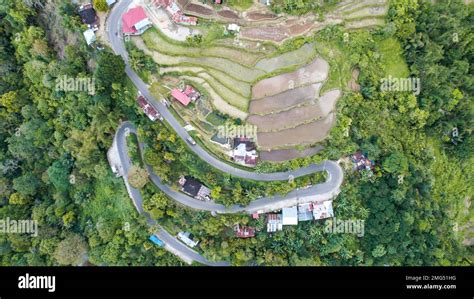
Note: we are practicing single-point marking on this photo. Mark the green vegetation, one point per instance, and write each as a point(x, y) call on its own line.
point(300, 7)
point(239, 4)
point(53, 147)
point(392, 58)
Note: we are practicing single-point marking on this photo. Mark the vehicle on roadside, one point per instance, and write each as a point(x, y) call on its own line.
point(191, 140)
point(157, 241)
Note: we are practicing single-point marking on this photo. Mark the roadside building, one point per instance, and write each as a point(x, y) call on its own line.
point(187, 239)
point(323, 210)
point(89, 36)
point(221, 141)
point(89, 16)
point(186, 95)
point(110, 2)
point(147, 108)
point(305, 211)
point(244, 231)
point(175, 12)
point(194, 188)
point(244, 151)
point(274, 222)
point(290, 216)
point(135, 21)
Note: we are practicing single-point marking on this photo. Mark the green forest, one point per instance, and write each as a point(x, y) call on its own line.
point(416, 204)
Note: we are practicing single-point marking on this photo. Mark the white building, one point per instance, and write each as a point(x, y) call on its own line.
point(322, 210)
point(185, 237)
point(274, 223)
point(89, 35)
point(290, 216)
point(233, 27)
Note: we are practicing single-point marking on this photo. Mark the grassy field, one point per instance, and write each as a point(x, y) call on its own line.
point(215, 119)
point(339, 66)
point(392, 58)
point(240, 4)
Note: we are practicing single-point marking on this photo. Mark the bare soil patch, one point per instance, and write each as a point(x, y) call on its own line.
point(305, 134)
point(285, 99)
point(275, 34)
point(315, 72)
point(228, 14)
point(352, 84)
point(199, 9)
point(258, 16)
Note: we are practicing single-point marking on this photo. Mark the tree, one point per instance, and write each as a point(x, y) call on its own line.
point(100, 5)
point(17, 199)
point(71, 250)
point(137, 176)
point(26, 184)
point(110, 69)
point(396, 163)
point(58, 175)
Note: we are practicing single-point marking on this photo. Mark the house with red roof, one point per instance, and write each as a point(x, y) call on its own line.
point(148, 109)
point(175, 12)
point(186, 95)
point(244, 231)
point(135, 21)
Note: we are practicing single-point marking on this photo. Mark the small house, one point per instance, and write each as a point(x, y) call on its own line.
point(187, 239)
point(289, 216)
point(135, 21)
point(147, 108)
point(323, 210)
point(89, 36)
point(194, 188)
point(244, 231)
point(274, 222)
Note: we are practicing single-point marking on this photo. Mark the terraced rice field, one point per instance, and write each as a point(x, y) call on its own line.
point(294, 117)
point(305, 134)
point(287, 107)
point(315, 72)
point(224, 71)
point(305, 53)
point(285, 100)
point(156, 41)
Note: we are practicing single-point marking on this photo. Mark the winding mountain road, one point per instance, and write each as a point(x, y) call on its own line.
point(319, 192)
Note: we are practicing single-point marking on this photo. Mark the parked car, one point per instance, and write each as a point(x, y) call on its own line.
point(191, 140)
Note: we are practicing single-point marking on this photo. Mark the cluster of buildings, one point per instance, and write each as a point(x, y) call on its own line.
point(175, 12)
point(194, 188)
point(186, 95)
point(90, 18)
point(361, 161)
point(289, 216)
point(302, 212)
point(244, 151)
